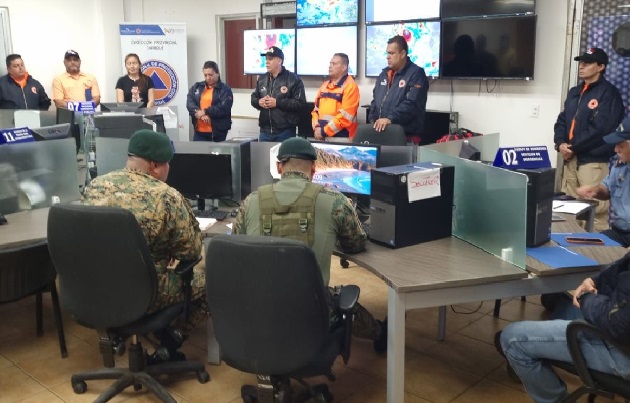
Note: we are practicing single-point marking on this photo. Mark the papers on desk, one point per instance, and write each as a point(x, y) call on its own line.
point(561, 238)
point(205, 223)
point(558, 257)
point(562, 206)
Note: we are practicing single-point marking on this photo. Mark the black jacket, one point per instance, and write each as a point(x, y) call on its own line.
point(288, 90)
point(597, 113)
point(403, 103)
point(32, 96)
point(220, 111)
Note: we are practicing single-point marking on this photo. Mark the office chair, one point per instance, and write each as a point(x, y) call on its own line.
point(393, 135)
point(270, 311)
point(108, 282)
point(27, 270)
point(595, 383)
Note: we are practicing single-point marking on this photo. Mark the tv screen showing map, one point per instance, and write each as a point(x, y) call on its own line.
point(256, 42)
point(311, 13)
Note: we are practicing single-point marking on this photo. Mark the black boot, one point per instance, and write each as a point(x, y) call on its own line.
point(170, 341)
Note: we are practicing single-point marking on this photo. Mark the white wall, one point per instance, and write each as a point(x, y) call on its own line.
point(42, 31)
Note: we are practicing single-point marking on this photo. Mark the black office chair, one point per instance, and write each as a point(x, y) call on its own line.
point(393, 135)
point(27, 270)
point(595, 383)
point(270, 311)
point(108, 282)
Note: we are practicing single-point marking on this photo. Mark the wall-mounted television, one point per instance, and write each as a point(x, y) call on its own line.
point(346, 167)
point(484, 8)
point(423, 39)
point(400, 10)
point(311, 13)
point(313, 59)
point(258, 41)
point(489, 48)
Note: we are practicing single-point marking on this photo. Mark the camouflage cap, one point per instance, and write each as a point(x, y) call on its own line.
point(296, 147)
point(150, 145)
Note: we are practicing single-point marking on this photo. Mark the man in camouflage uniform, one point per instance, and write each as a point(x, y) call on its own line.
point(165, 217)
point(334, 216)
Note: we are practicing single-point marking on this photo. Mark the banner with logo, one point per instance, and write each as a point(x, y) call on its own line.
point(163, 53)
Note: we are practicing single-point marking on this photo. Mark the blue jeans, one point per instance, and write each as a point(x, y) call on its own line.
point(279, 137)
point(528, 344)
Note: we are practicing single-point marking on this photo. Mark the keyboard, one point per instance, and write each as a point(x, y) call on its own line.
point(366, 227)
point(216, 214)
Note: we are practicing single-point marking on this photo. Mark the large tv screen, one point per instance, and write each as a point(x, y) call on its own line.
point(311, 13)
point(258, 41)
point(482, 8)
point(313, 58)
point(400, 10)
point(423, 39)
point(346, 167)
point(489, 48)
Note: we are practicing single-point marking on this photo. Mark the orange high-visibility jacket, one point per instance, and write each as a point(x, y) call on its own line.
point(336, 107)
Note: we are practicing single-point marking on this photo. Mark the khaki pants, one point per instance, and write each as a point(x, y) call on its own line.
point(591, 174)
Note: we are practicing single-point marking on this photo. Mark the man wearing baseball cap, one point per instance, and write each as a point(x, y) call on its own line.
point(166, 220)
point(279, 96)
point(592, 109)
point(330, 219)
point(74, 85)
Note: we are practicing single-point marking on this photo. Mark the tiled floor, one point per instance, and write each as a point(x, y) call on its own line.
point(463, 368)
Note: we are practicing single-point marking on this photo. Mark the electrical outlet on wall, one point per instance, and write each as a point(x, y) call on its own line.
point(533, 112)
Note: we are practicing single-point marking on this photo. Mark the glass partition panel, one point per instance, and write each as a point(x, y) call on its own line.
point(488, 144)
point(111, 154)
point(490, 206)
point(32, 173)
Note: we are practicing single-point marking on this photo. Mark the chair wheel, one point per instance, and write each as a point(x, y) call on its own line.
point(344, 263)
point(203, 376)
point(79, 387)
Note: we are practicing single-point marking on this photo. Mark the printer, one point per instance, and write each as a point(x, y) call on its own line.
point(395, 221)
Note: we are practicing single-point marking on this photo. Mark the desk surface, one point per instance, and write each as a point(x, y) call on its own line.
point(23, 228)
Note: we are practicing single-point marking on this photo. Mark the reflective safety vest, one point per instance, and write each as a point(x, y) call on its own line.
point(336, 107)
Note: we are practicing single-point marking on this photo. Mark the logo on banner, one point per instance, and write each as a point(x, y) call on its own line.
point(164, 79)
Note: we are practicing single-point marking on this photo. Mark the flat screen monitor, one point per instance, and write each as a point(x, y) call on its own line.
point(258, 41)
point(121, 106)
point(489, 48)
point(483, 8)
point(56, 132)
point(118, 124)
point(400, 10)
point(423, 39)
point(159, 122)
point(65, 115)
point(313, 58)
point(311, 13)
point(207, 176)
point(346, 167)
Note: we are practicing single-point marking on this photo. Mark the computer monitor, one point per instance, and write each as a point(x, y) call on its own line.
point(119, 125)
point(201, 176)
point(55, 132)
point(346, 167)
point(120, 106)
point(65, 115)
point(159, 122)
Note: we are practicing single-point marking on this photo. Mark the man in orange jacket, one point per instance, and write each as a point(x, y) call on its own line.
point(336, 103)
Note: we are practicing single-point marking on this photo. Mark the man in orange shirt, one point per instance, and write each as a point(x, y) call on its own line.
point(336, 102)
point(209, 105)
point(74, 85)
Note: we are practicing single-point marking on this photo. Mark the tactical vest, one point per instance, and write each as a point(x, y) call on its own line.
point(294, 221)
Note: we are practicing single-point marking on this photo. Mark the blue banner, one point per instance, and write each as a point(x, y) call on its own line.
point(85, 107)
point(17, 135)
point(140, 29)
point(522, 158)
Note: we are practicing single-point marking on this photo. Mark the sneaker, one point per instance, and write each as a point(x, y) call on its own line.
point(380, 344)
point(162, 355)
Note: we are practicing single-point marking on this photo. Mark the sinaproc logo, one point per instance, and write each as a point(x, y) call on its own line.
point(164, 79)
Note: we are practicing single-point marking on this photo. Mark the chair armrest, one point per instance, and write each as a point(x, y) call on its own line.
point(185, 270)
point(348, 297)
point(185, 266)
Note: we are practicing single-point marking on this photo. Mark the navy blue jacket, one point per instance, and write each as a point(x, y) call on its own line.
point(609, 309)
point(220, 111)
point(32, 96)
point(405, 102)
point(597, 113)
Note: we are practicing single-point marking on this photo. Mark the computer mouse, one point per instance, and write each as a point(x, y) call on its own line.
point(3, 219)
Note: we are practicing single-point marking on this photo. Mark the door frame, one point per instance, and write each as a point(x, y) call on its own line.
point(220, 23)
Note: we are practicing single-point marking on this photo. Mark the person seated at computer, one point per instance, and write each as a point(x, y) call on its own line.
point(209, 105)
point(331, 219)
point(166, 220)
point(135, 86)
point(74, 85)
point(616, 186)
point(19, 90)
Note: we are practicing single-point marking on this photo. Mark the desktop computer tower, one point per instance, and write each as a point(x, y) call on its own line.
point(540, 190)
point(395, 222)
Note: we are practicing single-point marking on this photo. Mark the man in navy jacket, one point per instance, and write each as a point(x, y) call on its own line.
point(19, 90)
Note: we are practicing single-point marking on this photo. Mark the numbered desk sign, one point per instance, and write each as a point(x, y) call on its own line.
point(17, 135)
point(84, 106)
point(522, 158)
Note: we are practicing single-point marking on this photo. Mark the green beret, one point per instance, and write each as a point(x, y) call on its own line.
point(151, 146)
point(296, 147)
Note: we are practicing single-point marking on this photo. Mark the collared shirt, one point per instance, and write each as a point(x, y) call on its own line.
point(618, 184)
point(69, 88)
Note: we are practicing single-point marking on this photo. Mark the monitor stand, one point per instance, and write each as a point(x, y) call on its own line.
point(201, 203)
